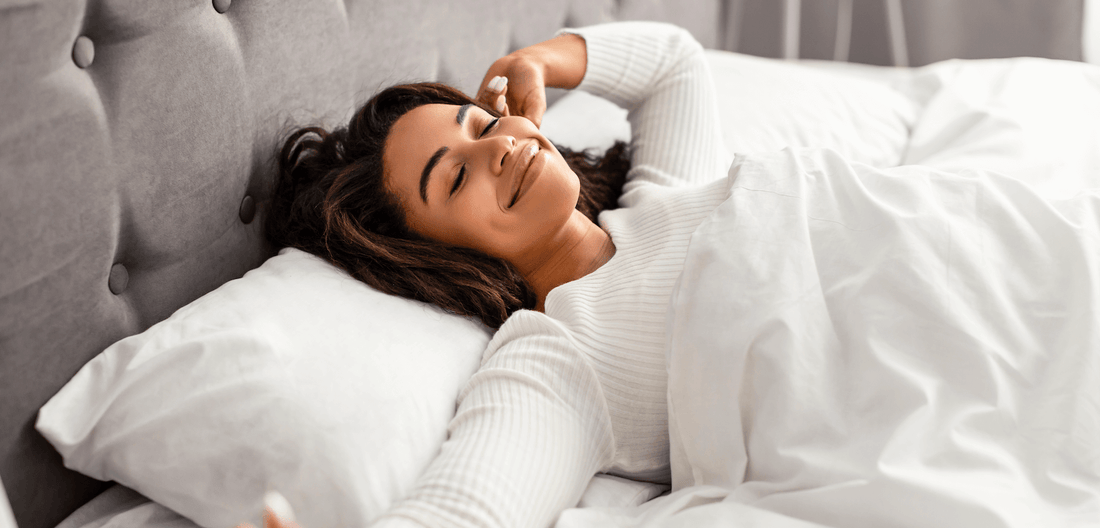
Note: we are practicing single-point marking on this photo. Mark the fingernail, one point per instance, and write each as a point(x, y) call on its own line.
point(498, 83)
point(500, 105)
point(278, 505)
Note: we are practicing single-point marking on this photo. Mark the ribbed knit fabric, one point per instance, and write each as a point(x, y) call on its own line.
point(581, 388)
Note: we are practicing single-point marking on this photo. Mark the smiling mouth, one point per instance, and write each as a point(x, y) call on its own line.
point(523, 166)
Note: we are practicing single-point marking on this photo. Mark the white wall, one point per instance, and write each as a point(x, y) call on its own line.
point(7, 518)
point(1092, 31)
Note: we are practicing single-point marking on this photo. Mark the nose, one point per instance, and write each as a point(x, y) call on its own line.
point(500, 148)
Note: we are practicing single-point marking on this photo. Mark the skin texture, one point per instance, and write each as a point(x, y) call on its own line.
point(486, 159)
point(559, 63)
point(542, 235)
point(482, 166)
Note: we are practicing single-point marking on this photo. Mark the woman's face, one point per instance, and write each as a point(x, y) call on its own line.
point(469, 179)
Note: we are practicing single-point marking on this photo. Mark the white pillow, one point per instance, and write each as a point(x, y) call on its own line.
point(296, 378)
point(766, 105)
point(580, 120)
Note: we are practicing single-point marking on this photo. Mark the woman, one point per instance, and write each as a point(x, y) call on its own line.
point(420, 187)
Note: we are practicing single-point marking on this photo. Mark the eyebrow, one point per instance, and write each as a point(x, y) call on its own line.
point(461, 117)
point(428, 172)
point(425, 175)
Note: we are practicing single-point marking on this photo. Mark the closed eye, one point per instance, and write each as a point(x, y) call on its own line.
point(462, 170)
point(491, 124)
point(458, 180)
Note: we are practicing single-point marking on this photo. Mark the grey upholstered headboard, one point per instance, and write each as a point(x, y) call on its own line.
point(135, 146)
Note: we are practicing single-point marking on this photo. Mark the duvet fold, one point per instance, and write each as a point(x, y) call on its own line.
point(862, 347)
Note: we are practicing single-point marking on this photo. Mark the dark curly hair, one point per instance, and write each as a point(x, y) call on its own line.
point(330, 199)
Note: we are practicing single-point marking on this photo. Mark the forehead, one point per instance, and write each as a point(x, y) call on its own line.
point(425, 119)
point(421, 130)
point(415, 137)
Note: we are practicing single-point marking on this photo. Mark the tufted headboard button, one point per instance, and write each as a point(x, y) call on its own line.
point(83, 51)
point(248, 209)
point(118, 279)
point(222, 6)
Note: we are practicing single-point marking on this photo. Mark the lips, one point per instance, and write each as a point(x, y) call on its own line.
point(527, 167)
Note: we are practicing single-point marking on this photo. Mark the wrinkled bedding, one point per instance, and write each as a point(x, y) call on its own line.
point(1032, 119)
point(862, 347)
point(907, 347)
point(915, 346)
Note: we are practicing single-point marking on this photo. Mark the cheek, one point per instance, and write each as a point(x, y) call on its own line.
point(565, 194)
point(473, 221)
point(550, 204)
point(431, 224)
point(566, 186)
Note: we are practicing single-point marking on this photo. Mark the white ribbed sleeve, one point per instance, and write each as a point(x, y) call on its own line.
point(531, 430)
point(581, 389)
point(659, 74)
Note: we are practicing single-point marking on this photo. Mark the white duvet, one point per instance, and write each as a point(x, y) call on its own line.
point(916, 346)
point(861, 347)
point(903, 347)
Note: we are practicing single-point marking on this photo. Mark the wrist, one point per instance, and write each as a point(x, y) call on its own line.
point(562, 60)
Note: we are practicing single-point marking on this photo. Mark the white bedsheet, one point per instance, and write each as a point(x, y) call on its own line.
point(122, 507)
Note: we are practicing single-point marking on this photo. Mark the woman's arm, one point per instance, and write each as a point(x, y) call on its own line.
point(658, 72)
point(532, 429)
point(558, 63)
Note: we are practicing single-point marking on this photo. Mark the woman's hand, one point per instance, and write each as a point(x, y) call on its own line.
point(277, 512)
point(515, 85)
point(559, 63)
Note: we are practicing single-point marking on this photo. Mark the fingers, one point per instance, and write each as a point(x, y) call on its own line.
point(495, 94)
point(534, 108)
point(531, 104)
point(497, 85)
point(489, 90)
point(277, 511)
point(498, 69)
point(274, 520)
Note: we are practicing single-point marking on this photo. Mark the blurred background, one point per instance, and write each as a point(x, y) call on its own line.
point(912, 32)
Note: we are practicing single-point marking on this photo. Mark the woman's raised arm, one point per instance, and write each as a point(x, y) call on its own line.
point(656, 71)
point(558, 63)
point(659, 73)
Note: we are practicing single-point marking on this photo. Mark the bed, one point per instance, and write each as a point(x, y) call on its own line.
point(136, 154)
